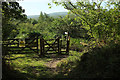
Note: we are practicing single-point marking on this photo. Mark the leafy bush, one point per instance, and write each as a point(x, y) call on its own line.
point(75, 44)
point(69, 63)
point(100, 62)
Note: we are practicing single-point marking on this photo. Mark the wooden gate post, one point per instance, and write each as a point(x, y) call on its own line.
point(41, 47)
point(68, 43)
point(60, 45)
point(37, 45)
point(58, 40)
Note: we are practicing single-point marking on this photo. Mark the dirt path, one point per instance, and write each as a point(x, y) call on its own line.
point(56, 59)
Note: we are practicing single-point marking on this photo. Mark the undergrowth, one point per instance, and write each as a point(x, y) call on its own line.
point(101, 62)
point(97, 62)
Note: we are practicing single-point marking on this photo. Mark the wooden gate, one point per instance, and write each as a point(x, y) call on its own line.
point(52, 46)
point(21, 46)
point(48, 46)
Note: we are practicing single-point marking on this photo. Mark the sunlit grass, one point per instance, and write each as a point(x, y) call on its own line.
point(66, 65)
point(32, 65)
point(29, 64)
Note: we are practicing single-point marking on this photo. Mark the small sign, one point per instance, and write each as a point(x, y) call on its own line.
point(66, 32)
point(22, 43)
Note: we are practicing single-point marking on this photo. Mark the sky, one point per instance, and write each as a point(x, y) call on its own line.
point(34, 7)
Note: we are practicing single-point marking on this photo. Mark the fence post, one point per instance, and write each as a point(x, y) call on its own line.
point(68, 43)
point(58, 45)
point(41, 47)
point(37, 45)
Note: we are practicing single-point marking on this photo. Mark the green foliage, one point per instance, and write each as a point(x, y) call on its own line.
point(15, 13)
point(24, 29)
point(41, 17)
point(97, 63)
point(101, 62)
point(66, 65)
point(103, 25)
point(68, 24)
point(97, 20)
point(75, 44)
point(33, 21)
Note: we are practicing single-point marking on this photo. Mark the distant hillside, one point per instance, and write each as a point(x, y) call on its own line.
point(55, 14)
point(33, 16)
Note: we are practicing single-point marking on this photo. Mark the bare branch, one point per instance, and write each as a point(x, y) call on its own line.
point(72, 5)
point(67, 7)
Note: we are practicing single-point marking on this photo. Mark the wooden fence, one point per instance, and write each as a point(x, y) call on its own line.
point(32, 45)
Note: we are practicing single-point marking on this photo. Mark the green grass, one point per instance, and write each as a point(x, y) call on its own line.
point(66, 65)
point(30, 64)
point(98, 62)
point(34, 67)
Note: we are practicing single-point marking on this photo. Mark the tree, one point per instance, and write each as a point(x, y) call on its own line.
point(69, 24)
point(41, 17)
point(33, 21)
point(15, 13)
point(24, 29)
point(95, 18)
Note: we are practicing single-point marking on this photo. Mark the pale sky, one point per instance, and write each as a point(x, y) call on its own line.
point(34, 7)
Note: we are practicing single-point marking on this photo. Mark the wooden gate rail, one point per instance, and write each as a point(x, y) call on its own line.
point(51, 45)
point(55, 46)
